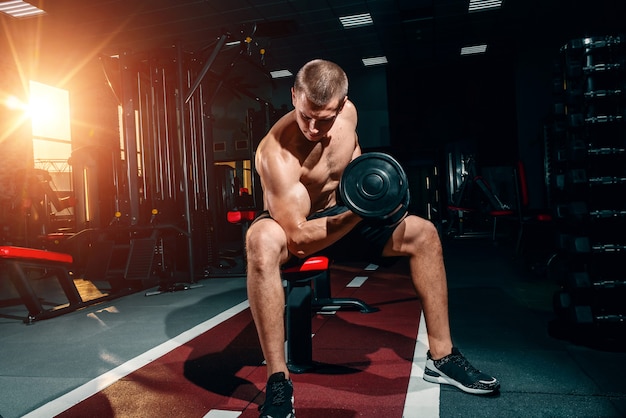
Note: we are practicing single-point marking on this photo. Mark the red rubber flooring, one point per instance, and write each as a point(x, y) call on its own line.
point(364, 362)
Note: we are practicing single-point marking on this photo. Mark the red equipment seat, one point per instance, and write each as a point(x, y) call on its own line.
point(20, 263)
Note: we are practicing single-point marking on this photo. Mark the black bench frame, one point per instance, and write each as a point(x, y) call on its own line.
point(308, 291)
point(20, 262)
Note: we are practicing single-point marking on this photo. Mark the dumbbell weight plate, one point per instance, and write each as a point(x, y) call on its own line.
point(374, 185)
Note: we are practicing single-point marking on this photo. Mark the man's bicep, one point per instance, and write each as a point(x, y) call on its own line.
point(287, 201)
point(290, 207)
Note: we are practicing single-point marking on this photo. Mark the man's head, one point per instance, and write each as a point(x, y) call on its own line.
point(318, 95)
point(321, 81)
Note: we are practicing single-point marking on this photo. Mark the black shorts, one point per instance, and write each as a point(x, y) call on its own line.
point(365, 242)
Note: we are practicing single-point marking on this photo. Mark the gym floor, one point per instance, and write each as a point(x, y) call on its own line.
point(500, 314)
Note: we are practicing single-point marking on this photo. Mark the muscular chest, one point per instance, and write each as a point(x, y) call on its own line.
point(322, 165)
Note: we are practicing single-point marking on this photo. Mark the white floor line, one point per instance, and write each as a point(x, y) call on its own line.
point(101, 382)
point(357, 281)
point(217, 413)
point(422, 397)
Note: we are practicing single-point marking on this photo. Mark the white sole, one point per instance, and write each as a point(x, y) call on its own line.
point(443, 379)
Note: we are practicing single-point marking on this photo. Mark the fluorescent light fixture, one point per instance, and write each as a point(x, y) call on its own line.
point(353, 21)
point(280, 73)
point(481, 5)
point(20, 9)
point(368, 62)
point(474, 49)
point(232, 43)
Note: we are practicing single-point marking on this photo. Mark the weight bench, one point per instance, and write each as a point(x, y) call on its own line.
point(20, 263)
point(308, 291)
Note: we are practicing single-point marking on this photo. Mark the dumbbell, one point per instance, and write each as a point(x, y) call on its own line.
point(579, 210)
point(580, 280)
point(583, 245)
point(578, 177)
point(375, 187)
point(577, 150)
point(601, 119)
point(582, 314)
point(567, 310)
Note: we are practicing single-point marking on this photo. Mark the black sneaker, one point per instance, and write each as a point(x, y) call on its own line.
point(278, 398)
point(455, 370)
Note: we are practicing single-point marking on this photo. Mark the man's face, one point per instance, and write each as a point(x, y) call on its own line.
point(315, 121)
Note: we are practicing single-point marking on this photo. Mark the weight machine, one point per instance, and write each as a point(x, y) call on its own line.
point(474, 200)
point(168, 155)
point(147, 202)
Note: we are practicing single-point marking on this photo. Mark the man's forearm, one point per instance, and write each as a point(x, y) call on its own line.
point(316, 234)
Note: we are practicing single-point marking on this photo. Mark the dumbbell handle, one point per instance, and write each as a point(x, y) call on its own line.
point(608, 248)
point(607, 180)
point(601, 67)
point(604, 119)
point(609, 284)
point(583, 245)
point(610, 318)
point(602, 93)
point(607, 213)
point(579, 177)
point(606, 151)
point(579, 209)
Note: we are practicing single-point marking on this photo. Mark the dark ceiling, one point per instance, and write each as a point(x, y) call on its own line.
point(409, 32)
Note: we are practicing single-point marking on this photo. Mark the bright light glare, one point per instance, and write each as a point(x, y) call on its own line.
point(51, 150)
point(14, 103)
point(49, 109)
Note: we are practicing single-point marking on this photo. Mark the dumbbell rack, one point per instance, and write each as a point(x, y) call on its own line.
point(587, 176)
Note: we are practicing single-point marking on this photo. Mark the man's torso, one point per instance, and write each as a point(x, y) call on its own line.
point(321, 163)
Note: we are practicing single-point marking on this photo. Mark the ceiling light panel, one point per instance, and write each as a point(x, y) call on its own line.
point(355, 21)
point(20, 9)
point(474, 49)
point(368, 62)
point(482, 5)
point(281, 73)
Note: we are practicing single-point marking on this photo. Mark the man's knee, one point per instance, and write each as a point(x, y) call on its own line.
point(426, 233)
point(265, 239)
point(430, 230)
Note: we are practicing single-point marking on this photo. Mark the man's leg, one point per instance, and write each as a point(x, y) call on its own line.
point(266, 247)
point(418, 239)
point(266, 250)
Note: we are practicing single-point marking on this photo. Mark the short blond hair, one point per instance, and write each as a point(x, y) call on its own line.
point(321, 81)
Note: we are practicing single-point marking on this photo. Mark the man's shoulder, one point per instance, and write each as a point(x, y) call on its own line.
point(284, 121)
point(274, 150)
point(349, 108)
point(282, 127)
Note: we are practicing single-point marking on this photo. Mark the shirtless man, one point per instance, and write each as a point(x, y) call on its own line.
point(300, 162)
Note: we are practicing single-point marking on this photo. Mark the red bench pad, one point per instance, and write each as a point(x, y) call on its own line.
point(317, 263)
point(8, 251)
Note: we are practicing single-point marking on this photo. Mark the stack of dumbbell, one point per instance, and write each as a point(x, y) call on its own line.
point(588, 184)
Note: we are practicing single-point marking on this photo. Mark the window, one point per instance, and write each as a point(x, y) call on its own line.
point(49, 109)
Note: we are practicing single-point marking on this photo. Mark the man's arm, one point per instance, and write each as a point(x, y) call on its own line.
point(289, 204)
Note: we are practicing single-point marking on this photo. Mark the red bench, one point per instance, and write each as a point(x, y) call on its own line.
point(25, 264)
point(308, 291)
